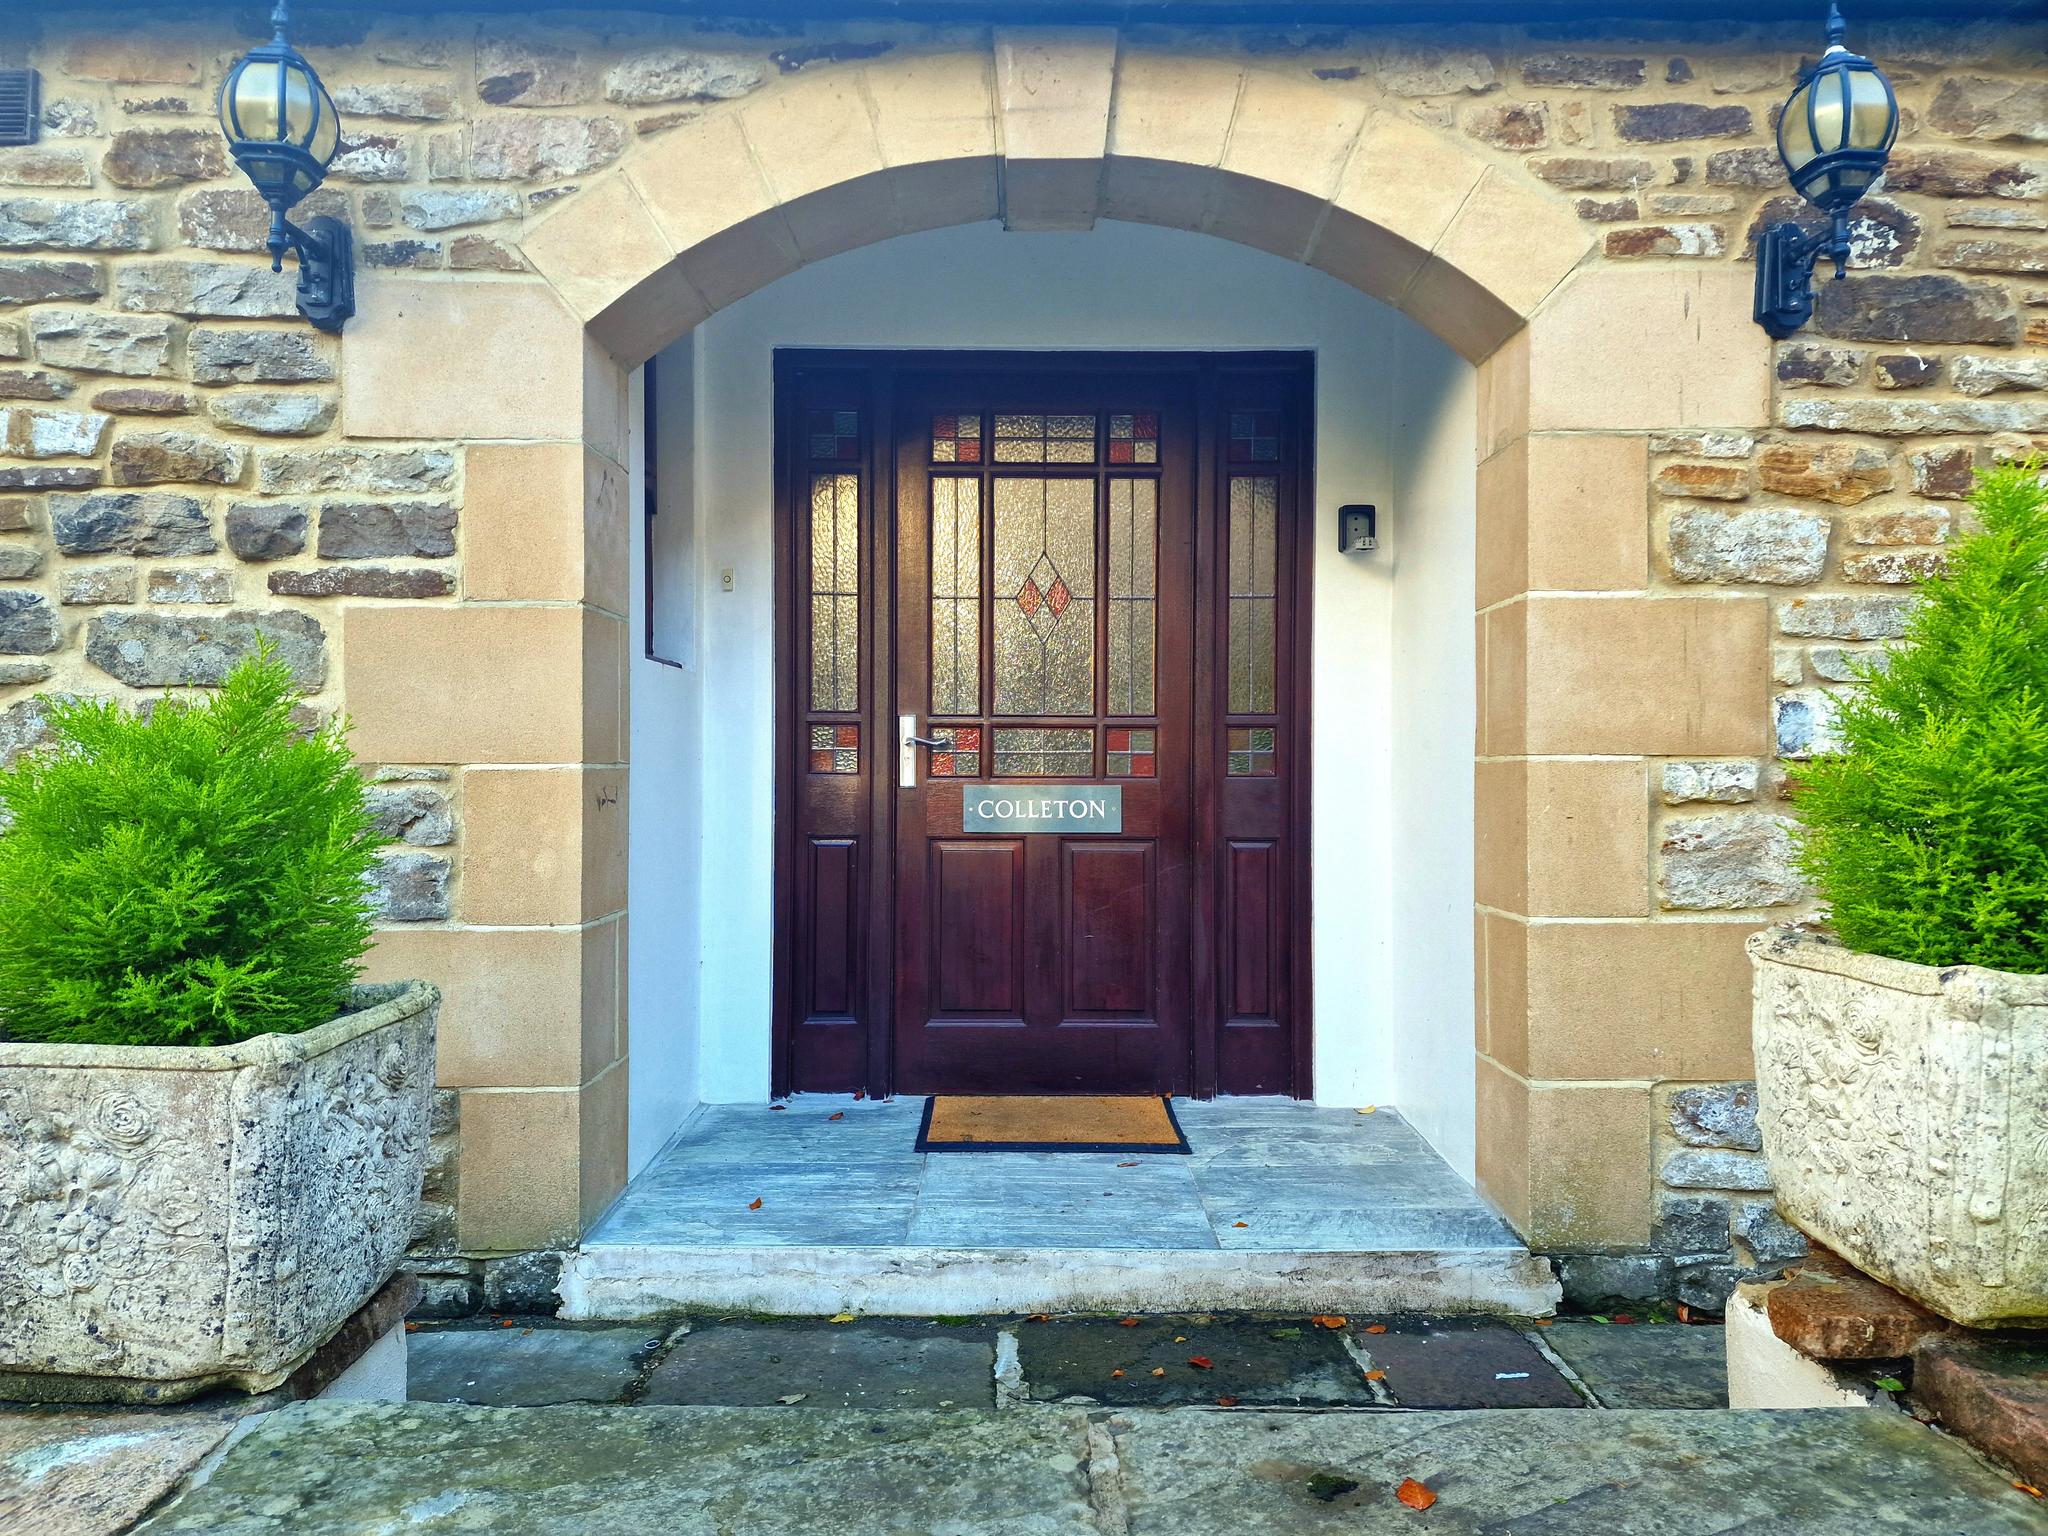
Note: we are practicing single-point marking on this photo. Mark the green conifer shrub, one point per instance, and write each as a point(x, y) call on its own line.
point(1928, 834)
point(192, 878)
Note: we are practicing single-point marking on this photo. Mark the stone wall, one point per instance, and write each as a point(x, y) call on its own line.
point(179, 470)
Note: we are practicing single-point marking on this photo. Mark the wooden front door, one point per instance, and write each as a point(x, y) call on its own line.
point(1021, 578)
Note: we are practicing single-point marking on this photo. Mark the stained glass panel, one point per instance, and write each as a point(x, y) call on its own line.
point(1254, 531)
point(1251, 751)
point(835, 592)
point(1131, 752)
point(1044, 596)
point(1134, 439)
point(835, 749)
point(960, 757)
point(956, 439)
point(1254, 437)
point(1023, 439)
point(834, 435)
point(1133, 594)
point(956, 595)
point(1045, 752)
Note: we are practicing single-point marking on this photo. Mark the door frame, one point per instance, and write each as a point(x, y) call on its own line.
point(863, 1045)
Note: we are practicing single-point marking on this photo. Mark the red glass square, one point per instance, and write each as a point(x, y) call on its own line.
point(942, 763)
point(821, 762)
point(1147, 425)
point(846, 735)
point(1121, 452)
point(945, 426)
point(1119, 739)
point(968, 738)
point(968, 450)
point(1141, 765)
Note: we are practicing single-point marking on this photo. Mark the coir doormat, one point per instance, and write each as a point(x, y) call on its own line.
point(955, 1122)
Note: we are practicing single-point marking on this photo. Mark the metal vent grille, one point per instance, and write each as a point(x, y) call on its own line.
point(20, 104)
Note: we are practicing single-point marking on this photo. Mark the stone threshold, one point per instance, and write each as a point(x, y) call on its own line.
point(622, 1282)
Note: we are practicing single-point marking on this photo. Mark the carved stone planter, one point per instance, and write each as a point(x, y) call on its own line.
point(178, 1218)
point(1904, 1111)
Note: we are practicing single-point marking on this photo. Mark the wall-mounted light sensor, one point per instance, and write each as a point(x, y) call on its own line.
point(1358, 528)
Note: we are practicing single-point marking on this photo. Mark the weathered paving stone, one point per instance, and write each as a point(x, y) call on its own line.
point(1462, 1363)
point(28, 625)
point(1842, 473)
point(96, 586)
point(681, 74)
point(374, 471)
point(1715, 782)
point(144, 159)
point(1720, 863)
point(100, 224)
point(175, 458)
point(1779, 546)
point(92, 1472)
point(221, 356)
point(276, 413)
point(47, 282)
point(1716, 1115)
point(526, 1367)
point(1829, 1310)
point(1288, 1362)
point(415, 814)
point(132, 522)
point(861, 1365)
point(1993, 1392)
point(191, 584)
point(680, 1471)
point(257, 532)
point(1645, 1365)
point(362, 581)
point(156, 650)
point(33, 434)
point(102, 343)
point(1927, 307)
point(380, 530)
point(215, 289)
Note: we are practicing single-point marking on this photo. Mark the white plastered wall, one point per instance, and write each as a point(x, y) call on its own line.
point(1393, 654)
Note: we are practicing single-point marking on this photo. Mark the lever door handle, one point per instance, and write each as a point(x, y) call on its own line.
point(927, 741)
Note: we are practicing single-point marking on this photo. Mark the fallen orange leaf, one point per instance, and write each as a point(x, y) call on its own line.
point(1414, 1494)
point(1684, 1313)
point(1180, 1338)
point(1375, 1375)
point(1201, 1362)
point(1377, 1328)
point(837, 1114)
point(504, 1322)
point(1544, 1322)
point(1240, 1223)
point(1039, 1317)
point(1131, 1164)
point(1113, 1375)
point(1158, 1370)
point(1128, 1322)
point(2030, 1488)
point(412, 1327)
point(842, 1317)
point(1623, 1317)
point(1327, 1320)
point(1226, 1402)
point(754, 1204)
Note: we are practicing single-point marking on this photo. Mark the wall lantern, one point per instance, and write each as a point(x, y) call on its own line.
point(283, 132)
point(1834, 136)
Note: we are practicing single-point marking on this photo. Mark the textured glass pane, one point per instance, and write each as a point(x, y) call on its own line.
point(835, 591)
point(1044, 596)
point(1250, 751)
point(835, 749)
point(1254, 437)
point(1043, 753)
point(956, 439)
point(833, 434)
point(1134, 439)
point(1131, 754)
point(1251, 657)
point(959, 756)
point(1027, 439)
point(956, 596)
point(1133, 585)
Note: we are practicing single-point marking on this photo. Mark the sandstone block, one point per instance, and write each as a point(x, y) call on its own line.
point(1923, 525)
point(102, 224)
point(1423, 71)
point(374, 471)
point(47, 282)
point(33, 384)
point(1906, 370)
point(373, 157)
point(28, 625)
point(1839, 664)
point(93, 342)
point(1586, 71)
point(1704, 1168)
point(451, 208)
point(681, 74)
point(1843, 473)
point(1991, 1391)
point(1894, 567)
point(1779, 546)
point(19, 674)
point(1713, 482)
point(144, 159)
point(47, 477)
point(1667, 240)
point(1717, 783)
point(362, 581)
point(1956, 173)
point(1515, 125)
point(223, 356)
point(191, 584)
point(1915, 418)
point(1754, 165)
point(1704, 445)
point(266, 532)
point(176, 458)
point(1991, 375)
point(158, 650)
point(1828, 367)
point(206, 289)
point(17, 514)
point(131, 522)
point(1727, 863)
point(35, 165)
point(1587, 173)
point(140, 401)
point(516, 71)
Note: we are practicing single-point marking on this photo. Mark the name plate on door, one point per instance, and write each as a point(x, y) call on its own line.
point(1040, 808)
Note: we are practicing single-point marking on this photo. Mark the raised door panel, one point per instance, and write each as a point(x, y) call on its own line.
point(977, 928)
point(1110, 918)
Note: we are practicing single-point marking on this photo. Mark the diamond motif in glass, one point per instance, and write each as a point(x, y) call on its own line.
point(1250, 751)
point(1044, 596)
point(834, 435)
point(960, 757)
point(1022, 439)
point(1254, 437)
point(1134, 439)
point(1045, 752)
point(956, 439)
point(1131, 752)
point(835, 749)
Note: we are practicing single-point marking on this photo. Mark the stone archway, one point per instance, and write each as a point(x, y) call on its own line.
point(1582, 996)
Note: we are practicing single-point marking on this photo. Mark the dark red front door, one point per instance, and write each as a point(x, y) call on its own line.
point(1044, 581)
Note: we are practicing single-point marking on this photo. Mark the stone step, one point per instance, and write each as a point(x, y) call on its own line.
point(328, 1469)
point(617, 1281)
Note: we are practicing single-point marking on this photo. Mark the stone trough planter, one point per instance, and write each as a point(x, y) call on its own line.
point(179, 1218)
point(1904, 1111)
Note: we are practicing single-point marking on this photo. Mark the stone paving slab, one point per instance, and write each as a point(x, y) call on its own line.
point(526, 1367)
point(94, 1471)
point(857, 1365)
point(1645, 1365)
point(1461, 1363)
point(439, 1469)
point(1284, 1363)
point(1549, 1473)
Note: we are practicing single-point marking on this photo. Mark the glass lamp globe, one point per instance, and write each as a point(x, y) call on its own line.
point(1837, 129)
point(280, 123)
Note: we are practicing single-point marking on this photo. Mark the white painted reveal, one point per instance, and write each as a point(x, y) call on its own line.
point(1393, 691)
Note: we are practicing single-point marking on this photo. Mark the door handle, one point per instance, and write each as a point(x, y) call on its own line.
point(927, 741)
point(907, 743)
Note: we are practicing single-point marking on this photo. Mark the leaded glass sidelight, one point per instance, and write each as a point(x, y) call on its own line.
point(956, 596)
point(835, 592)
point(1133, 594)
point(1044, 596)
point(1254, 593)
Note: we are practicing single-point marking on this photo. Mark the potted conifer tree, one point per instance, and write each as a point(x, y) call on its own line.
point(1902, 1057)
point(211, 1141)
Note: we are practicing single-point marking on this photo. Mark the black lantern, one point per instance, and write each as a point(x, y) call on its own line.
point(1834, 136)
point(283, 132)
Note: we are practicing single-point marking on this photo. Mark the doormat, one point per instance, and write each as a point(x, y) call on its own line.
point(956, 1122)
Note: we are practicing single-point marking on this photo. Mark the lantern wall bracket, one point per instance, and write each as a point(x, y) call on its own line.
point(327, 270)
point(1785, 258)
